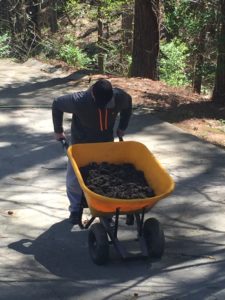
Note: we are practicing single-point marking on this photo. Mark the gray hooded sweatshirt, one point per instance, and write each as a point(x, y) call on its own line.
point(91, 124)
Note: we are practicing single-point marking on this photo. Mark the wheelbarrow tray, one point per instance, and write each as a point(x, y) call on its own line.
point(132, 152)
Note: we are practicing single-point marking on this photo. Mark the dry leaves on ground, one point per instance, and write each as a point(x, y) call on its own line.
point(191, 112)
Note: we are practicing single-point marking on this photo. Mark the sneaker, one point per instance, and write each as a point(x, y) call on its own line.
point(74, 217)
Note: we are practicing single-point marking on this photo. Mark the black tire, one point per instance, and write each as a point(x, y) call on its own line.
point(154, 237)
point(98, 244)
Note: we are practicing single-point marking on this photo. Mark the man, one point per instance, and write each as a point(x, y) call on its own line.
point(94, 114)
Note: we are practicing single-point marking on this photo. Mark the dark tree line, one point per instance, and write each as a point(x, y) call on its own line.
point(25, 19)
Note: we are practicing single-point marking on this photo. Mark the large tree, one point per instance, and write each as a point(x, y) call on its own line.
point(146, 39)
point(219, 87)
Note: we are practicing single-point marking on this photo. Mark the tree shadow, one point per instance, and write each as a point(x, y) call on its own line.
point(64, 252)
point(24, 150)
point(172, 107)
point(38, 87)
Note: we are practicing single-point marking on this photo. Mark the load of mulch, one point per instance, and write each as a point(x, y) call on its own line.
point(122, 181)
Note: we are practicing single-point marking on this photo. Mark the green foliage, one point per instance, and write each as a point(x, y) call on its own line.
point(116, 62)
point(185, 19)
point(49, 47)
point(110, 7)
point(76, 9)
point(69, 52)
point(222, 121)
point(4, 45)
point(195, 24)
point(74, 56)
point(173, 63)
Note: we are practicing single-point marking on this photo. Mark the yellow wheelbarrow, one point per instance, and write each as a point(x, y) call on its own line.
point(149, 232)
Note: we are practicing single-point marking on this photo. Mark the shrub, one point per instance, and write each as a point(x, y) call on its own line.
point(173, 62)
point(4, 45)
point(74, 56)
point(49, 48)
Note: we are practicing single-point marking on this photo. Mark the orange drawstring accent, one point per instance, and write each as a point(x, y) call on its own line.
point(100, 119)
point(106, 119)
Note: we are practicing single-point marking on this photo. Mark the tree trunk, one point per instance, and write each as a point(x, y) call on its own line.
point(127, 29)
point(5, 19)
point(219, 87)
point(33, 23)
point(199, 62)
point(101, 61)
point(146, 39)
point(53, 16)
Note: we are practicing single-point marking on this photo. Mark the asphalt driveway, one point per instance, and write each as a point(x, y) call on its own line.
point(43, 257)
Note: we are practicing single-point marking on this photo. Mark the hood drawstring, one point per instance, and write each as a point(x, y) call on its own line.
point(100, 112)
point(106, 119)
point(100, 119)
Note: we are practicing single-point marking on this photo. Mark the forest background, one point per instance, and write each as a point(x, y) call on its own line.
point(170, 55)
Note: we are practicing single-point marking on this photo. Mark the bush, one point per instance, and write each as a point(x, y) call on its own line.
point(4, 45)
point(173, 62)
point(49, 48)
point(74, 56)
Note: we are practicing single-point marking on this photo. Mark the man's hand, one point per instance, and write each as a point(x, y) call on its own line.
point(60, 136)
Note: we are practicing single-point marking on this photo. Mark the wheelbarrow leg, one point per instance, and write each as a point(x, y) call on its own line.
point(140, 222)
point(112, 232)
point(129, 219)
point(83, 205)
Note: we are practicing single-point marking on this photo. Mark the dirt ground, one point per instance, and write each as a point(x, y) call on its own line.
point(193, 113)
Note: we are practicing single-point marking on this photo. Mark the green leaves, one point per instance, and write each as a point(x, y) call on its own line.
point(173, 63)
point(74, 56)
point(4, 45)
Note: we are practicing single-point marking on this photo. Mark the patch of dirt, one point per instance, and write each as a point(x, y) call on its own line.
point(193, 113)
point(111, 180)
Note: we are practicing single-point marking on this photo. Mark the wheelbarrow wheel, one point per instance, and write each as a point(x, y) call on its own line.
point(98, 244)
point(154, 237)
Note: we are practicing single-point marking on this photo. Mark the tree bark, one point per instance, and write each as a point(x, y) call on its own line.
point(53, 16)
point(219, 87)
point(101, 55)
point(127, 29)
point(33, 23)
point(199, 62)
point(5, 19)
point(146, 39)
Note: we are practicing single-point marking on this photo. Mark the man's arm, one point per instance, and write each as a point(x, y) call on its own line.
point(60, 105)
point(125, 115)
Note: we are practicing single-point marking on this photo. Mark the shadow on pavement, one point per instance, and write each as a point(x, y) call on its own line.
point(63, 250)
point(64, 253)
point(16, 89)
point(192, 241)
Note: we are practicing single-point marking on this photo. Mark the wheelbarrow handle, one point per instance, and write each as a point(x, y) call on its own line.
point(64, 143)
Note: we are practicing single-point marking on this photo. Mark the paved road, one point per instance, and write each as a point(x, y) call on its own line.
point(43, 257)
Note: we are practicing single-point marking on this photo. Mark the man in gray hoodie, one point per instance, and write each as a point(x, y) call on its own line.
point(94, 113)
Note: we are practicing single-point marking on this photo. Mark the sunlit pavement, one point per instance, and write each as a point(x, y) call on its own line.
point(43, 257)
